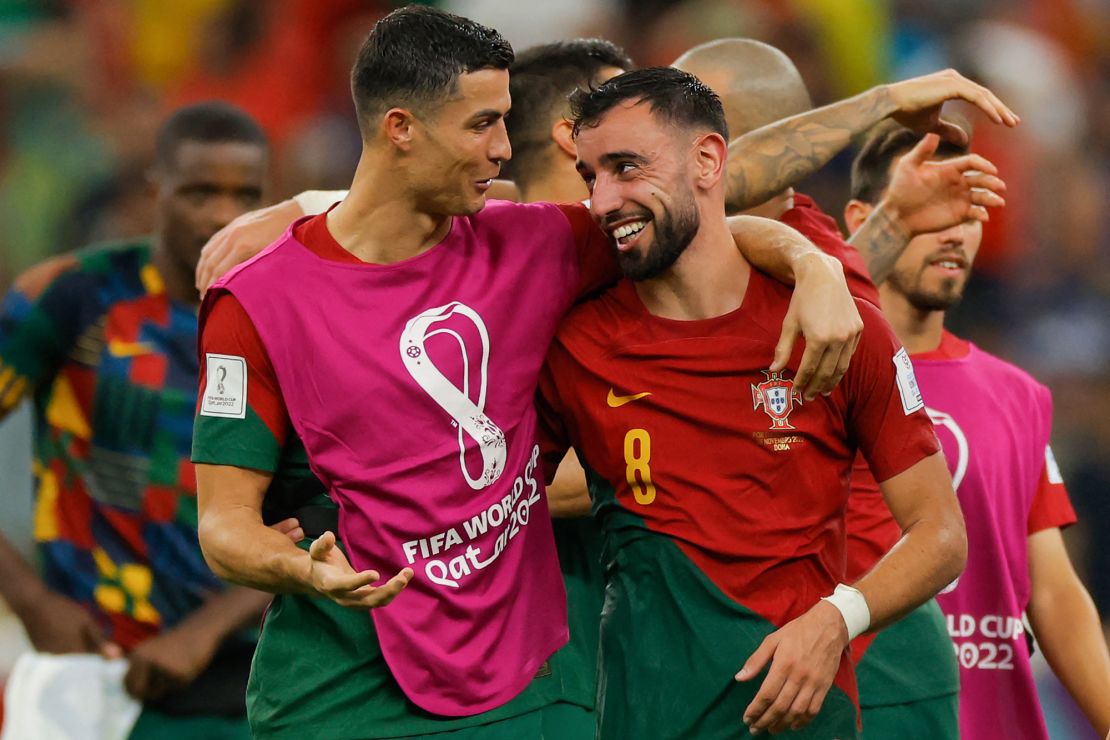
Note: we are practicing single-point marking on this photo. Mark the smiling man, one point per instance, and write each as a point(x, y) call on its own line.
point(426, 314)
point(720, 489)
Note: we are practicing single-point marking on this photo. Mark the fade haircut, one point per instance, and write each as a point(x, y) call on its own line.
point(413, 58)
point(540, 80)
point(211, 122)
point(677, 97)
point(885, 143)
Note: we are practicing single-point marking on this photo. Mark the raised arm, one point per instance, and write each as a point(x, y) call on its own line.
point(821, 309)
point(764, 162)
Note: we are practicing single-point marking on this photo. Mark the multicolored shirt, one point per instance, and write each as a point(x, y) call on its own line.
point(110, 362)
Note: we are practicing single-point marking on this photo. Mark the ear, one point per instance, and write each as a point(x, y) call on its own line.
point(710, 155)
point(855, 213)
point(398, 127)
point(562, 133)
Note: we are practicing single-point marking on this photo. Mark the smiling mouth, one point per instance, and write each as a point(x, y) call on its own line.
point(626, 234)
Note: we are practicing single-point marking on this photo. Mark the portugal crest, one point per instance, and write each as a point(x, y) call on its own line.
point(777, 397)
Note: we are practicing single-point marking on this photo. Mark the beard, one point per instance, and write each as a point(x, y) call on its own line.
point(945, 296)
point(673, 233)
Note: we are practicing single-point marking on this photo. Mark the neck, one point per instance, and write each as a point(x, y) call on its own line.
point(555, 187)
point(179, 280)
point(919, 330)
point(708, 280)
point(378, 221)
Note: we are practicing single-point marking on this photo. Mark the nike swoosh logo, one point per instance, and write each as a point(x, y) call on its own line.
point(616, 401)
point(119, 348)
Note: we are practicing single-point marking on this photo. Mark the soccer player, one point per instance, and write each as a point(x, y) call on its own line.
point(721, 490)
point(426, 331)
point(908, 678)
point(994, 422)
point(104, 342)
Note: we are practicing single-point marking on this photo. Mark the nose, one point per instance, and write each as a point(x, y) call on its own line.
point(605, 197)
point(955, 236)
point(500, 149)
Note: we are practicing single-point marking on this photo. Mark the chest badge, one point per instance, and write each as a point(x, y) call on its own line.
point(777, 396)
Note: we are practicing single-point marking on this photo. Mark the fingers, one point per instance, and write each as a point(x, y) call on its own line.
point(811, 360)
point(785, 346)
point(757, 660)
point(924, 150)
point(951, 132)
point(798, 716)
point(291, 528)
point(761, 713)
point(986, 198)
point(979, 213)
point(111, 651)
point(372, 597)
point(322, 547)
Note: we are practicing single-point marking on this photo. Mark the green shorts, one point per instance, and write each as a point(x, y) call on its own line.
point(937, 718)
point(671, 643)
point(153, 725)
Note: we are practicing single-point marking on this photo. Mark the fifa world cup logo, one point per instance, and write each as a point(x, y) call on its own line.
point(468, 414)
point(221, 373)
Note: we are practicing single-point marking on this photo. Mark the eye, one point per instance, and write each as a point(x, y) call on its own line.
point(625, 168)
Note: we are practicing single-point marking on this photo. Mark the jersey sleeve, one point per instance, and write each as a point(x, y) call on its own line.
point(551, 431)
point(885, 410)
point(597, 265)
point(41, 320)
point(251, 436)
point(1051, 504)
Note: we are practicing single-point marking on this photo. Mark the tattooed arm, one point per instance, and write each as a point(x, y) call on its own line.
point(764, 162)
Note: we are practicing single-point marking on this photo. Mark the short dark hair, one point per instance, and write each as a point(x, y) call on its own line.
point(885, 143)
point(540, 80)
point(210, 122)
point(414, 56)
point(679, 97)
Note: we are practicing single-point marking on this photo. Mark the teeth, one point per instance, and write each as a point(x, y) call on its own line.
point(629, 229)
point(949, 264)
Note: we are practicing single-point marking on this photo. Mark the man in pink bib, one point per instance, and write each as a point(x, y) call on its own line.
point(994, 422)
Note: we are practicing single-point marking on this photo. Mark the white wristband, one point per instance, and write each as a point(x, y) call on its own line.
point(852, 607)
point(313, 202)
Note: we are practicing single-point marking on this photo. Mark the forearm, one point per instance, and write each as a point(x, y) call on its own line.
point(777, 249)
point(764, 162)
point(237, 544)
point(20, 584)
point(881, 240)
point(1066, 625)
point(567, 495)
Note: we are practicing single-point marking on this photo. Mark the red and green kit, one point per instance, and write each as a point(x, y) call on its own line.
point(721, 494)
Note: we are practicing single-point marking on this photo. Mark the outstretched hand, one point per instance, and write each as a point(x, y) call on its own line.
point(919, 100)
point(928, 195)
point(331, 575)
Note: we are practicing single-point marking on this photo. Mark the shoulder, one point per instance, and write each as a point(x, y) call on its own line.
point(598, 323)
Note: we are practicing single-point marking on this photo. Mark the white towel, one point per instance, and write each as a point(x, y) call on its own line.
point(68, 697)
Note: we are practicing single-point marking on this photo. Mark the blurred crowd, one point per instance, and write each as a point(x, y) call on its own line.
point(84, 83)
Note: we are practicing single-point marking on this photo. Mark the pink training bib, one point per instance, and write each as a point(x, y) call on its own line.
point(411, 385)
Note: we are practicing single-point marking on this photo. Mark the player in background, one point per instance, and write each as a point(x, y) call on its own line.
point(908, 680)
point(994, 422)
point(437, 309)
point(721, 490)
point(104, 340)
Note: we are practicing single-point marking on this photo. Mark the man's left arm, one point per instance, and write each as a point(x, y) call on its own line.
point(1067, 628)
point(821, 310)
point(896, 437)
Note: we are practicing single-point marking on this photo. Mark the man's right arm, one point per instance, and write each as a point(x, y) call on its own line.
point(764, 162)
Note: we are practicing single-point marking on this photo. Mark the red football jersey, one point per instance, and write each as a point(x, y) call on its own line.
point(702, 444)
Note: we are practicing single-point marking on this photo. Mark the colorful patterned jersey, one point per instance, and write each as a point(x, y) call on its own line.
point(111, 364)
point(695, 446)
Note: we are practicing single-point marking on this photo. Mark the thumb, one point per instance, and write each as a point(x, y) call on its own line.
point(785, 346)
point(759, 659)
point(951, 132)
point(924, 150)
point(322, 546)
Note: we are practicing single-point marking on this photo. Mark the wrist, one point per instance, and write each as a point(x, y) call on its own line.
point(853, 609)
point(810, 263)
point(894, 218)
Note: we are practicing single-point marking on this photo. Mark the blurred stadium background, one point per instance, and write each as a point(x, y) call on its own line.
point(84, 83)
